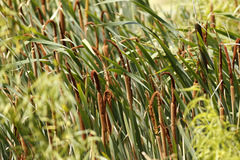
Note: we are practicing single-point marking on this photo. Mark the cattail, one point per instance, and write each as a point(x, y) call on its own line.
point(105, 46)
point(173, 106)
point(86, 14)
point(103, 33)
point(212, 17)
point(107, 98)
point(43, 7)
point(153, 119)
point(34, 63)
point(126, 78)
point(39, 15)
point(96, 35)
point(205, 34)
point(77, 3)
point(10, 4)
point(107, 76)
point(221, 84)
point(54, 29)
point(101, 105)
point(77, 98)
point(198, 29)
point(236, 47)
point(54, 34)
point(62, 25)
point(231, 80)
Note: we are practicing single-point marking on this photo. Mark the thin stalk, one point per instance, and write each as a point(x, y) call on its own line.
point(231, 81)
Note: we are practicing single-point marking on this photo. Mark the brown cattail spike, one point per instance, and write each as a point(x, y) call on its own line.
point(54, 29)
point(39, 15)
point(43, 7)
point(236, 47)
point(62, 24)
point(231, 80)
point(101, 105)
point(212, 17)
point(162, 127)
point(173, 106)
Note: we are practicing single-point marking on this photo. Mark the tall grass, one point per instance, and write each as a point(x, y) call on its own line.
point(113, 80)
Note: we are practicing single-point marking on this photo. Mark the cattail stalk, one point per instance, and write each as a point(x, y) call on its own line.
point(126, 78)
point(212, 17)
point(235, 50)
point(77, 4)
point(96, 35)
point(107, 76)
point(105, 45)
point(107, 98)
point(101, 106)
point(173, 106)
point(86, 14)
point(154, 122)
point(39, 15)
point(62, 25)
point(231, 80)
point(221, 84)
point(34, 57)
point(43, 7)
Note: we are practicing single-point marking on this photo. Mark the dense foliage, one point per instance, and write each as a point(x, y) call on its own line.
point(114, 80)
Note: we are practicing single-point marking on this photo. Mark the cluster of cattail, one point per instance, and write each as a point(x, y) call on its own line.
point(164, 133)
